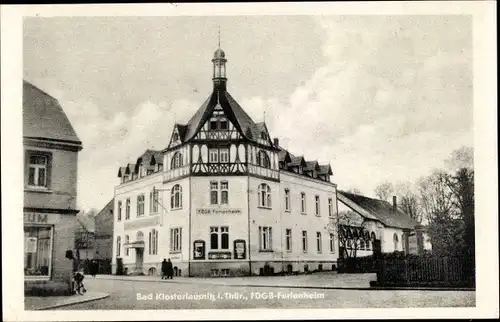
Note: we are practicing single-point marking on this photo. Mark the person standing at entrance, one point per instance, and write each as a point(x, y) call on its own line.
point(164, 269)
point(170, 270)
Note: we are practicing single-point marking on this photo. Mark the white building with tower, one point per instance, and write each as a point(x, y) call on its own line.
point(224, 199)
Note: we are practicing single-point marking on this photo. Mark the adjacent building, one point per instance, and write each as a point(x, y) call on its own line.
point(363, 220)
point(224, 199)
point(51, 149)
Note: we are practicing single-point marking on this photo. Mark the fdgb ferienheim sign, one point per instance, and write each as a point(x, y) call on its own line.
point(215, 211)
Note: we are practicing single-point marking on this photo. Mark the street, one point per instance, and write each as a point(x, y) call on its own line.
point(144, 295)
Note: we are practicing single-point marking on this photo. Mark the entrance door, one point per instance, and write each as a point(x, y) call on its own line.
point(139, 259)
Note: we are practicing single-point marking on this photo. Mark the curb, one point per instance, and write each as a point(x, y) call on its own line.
point(359, 288)
point(48, 307)
point(247, 285)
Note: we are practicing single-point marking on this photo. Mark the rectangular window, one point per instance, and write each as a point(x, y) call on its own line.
point(214, 272)
point(213, 125)
point(317, 205)
point(118, 246)
point(224, 155)
point(287, 199)
point(214, 192)
point(127, 250)
point(175, 239)
point(318, 242)
point(224, 272)
point(332, 243)
point(219, 237)
point(224, 237)
point(140, 205)
point(214, 237)
point(303, 203)
point(153, 201)
point(266, 238)
point(37, 173)
point(119, 212)
point(330, 207)
point(127, 209)
point(37, 251)
point(304, 241)
point(223, 125)
point(213, 155)
point(224, 193)
point(288, 235)
point(153, 242)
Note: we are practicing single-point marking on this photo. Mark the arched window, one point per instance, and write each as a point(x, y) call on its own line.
point(264, 196)
point(396, 241)
point(176, 160)
point(263, 159)
point(127, 240)
point(118, 246)
point(176, 197)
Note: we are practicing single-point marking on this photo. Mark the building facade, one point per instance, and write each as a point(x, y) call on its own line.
point(363, 220)
point(224, 199)
point(51, 149)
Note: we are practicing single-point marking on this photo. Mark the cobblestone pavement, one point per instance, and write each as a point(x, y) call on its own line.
point(126, 295)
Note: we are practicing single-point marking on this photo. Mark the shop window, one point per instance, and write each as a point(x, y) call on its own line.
point(37, 251)
point(224, 272)
point(214, 272)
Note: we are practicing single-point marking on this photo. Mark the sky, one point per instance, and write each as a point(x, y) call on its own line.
point(380, 98)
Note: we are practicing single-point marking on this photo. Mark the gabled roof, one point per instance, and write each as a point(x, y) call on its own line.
point(86, 221)
point(104, 219)
point(241, 120)
point(376, 209)
point(43, 116)
point(311, 165)
point(157, 158)
point(284, 156)
point(148, 158)
point(122, 171)
point(130, 168)
point(181, 128)
point(325, 169)
point(298, 161)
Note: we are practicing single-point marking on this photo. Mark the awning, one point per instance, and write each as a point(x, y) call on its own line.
point(136, 244)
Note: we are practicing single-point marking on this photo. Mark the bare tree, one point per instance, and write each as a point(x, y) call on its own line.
point(408, 200)
point(355, 191)
point(384, 190)
point(352, 234)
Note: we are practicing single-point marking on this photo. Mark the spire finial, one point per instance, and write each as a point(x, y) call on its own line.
point(219, 37)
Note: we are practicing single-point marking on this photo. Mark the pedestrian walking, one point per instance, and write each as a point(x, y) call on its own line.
point(170, 270)
point(164, 269)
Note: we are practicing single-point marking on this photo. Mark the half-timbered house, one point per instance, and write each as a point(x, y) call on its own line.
point(224, 199)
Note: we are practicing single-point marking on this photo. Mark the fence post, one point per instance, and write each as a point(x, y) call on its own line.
point(407, 272)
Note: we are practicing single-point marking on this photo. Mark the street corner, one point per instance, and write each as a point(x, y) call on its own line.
point(32, 303)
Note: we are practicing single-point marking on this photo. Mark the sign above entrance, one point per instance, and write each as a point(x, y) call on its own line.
point(35, 218)
point(215, 211)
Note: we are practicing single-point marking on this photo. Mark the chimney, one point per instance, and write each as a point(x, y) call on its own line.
point(276, 141)
point(394, 203)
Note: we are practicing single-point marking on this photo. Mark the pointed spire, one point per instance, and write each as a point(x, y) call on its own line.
point(219, 37)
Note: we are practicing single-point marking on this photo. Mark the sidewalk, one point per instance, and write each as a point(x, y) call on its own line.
point(52, 302)
point(313, 281)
